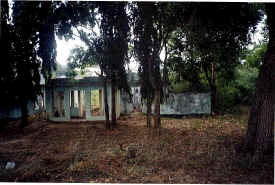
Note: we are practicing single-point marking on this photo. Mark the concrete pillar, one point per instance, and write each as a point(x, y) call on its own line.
point(100, 102)
point(67, 104)
point(109, 99)
point(79, 103)
point(82, 103)
point(117, 103)
point(87, 99)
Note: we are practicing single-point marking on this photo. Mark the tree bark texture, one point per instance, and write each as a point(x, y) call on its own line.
point(149, 111)
point(211, 79)
point(213, 88)
point(157, 121)
point(156, 82)
point(106, 106)
point(113, 104)
point(260, 133)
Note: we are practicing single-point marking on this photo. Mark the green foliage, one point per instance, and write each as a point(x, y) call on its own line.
point(246, 78)
point(71, 73)
point(246, 74)
point(81, 58)
point(239, 90)
point(209, 40)
point(214, 33)
point(227, 97)
point(255, 57)
point(179, 85)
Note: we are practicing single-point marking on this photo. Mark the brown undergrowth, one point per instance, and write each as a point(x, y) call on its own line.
point(188, 150)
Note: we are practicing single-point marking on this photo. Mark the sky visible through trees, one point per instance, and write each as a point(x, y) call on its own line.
point(64, 47)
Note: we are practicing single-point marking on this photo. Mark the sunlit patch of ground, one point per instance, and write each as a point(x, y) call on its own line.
point(188, 150)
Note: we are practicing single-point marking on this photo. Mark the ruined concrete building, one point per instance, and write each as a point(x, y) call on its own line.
point(68, 99)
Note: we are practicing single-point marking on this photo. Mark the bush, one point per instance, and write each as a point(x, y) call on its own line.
point(227, 97)
point(246, 83)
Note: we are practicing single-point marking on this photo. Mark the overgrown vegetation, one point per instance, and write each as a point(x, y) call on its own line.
point(205, 50)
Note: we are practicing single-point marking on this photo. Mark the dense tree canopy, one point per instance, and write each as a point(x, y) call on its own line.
point(209, 40)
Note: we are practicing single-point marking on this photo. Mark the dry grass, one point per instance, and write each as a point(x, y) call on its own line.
point(189, 150)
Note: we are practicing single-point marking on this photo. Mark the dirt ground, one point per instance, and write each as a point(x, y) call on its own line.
point(188, 150)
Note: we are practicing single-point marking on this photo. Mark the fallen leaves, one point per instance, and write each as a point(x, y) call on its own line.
point(189, 150)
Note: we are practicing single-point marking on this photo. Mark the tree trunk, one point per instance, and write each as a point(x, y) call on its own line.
point(157, 121)
point(155, 81)
point(24, 112)
point(259, 137)
point(149, 111)
point(106, 106)
point(113, 104)
point(149, 95)
point(213, 88)
point(212, 84)
point(165, 74)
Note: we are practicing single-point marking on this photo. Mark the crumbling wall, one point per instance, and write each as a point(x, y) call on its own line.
point(127, 105)
point(176, 104)
point(184, 104)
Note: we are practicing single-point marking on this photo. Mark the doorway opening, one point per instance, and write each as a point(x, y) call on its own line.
point(96, 103)
point(77, 104)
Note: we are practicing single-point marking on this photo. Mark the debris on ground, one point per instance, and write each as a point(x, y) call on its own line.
point(190, 150)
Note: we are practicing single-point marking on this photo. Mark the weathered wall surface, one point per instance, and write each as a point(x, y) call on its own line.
point(176, 104)
point(15, 111)
point(125, 105)
point(185, 103)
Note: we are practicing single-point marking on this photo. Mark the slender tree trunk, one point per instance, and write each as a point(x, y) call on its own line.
point(24, 113)
point(213, 88)
point(149, 95)
point(106, 106)
point(155, 81)
point(260, 133)
point(157, 121)
point(149, 111)
point(212, 84)
point(113, 104)
point(165, 74)
point(157, 89)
